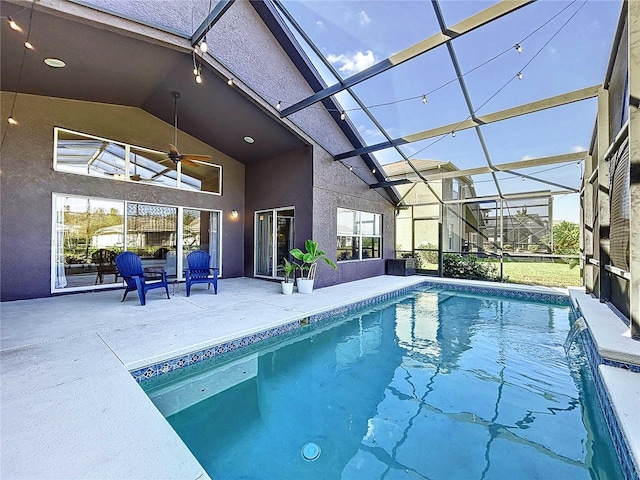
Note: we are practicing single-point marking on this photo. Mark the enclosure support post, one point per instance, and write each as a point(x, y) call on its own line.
point(602, 247)
point(633, 17)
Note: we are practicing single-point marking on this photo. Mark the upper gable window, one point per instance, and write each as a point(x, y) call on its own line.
point(98, 157)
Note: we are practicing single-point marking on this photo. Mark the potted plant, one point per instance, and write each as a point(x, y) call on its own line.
point(309, 259)
point(288, 269)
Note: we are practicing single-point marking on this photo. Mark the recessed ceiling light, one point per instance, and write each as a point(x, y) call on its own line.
point(249, 139)
point(55, 62)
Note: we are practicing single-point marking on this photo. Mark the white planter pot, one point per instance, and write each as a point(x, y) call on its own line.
point(305, 285)
point(287, 288)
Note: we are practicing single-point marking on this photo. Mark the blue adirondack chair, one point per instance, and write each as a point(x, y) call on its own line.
point(130, 268)
point(199, 271)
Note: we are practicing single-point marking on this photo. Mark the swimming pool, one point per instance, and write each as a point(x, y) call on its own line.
point(436, 384)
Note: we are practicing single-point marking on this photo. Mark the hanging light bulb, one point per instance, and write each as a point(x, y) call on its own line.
point(520, 75)
point(13, 25)
point(198, 75)
point(28, 45)
point(424, 99)
point(195, 70)
point(518, 48)
point(343, 115)
point(204, 47)
point(230, 82)
point(350, 168)
point(278, 105)
point(453, 134)
point(12, 121)
point(373, 171)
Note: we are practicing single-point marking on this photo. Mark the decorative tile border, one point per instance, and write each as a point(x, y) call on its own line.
point(212, 352)
point(595, 359)
point(556, 298)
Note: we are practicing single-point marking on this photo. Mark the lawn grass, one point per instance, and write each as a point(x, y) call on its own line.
point(542, 273)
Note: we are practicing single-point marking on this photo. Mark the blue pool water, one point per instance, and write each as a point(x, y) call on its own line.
point(433, 385)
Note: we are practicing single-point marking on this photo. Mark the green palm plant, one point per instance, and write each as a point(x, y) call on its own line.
point(310, 257)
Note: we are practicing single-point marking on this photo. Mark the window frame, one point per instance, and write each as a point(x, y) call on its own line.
point(358, 236)
point(129, 152)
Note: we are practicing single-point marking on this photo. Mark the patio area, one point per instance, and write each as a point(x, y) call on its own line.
point(70, 407)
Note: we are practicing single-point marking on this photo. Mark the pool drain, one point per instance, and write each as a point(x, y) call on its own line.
point(310, 451)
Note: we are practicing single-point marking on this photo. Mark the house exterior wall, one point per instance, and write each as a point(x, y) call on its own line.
point(28, 182)
point(284, 181)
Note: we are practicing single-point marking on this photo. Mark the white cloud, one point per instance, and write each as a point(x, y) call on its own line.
point(578, 148)
point(527, 157)
point(320, 24)
point(363, 18)
point(352, 63)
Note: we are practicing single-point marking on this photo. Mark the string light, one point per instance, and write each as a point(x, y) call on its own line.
point(230, 82)
point(518, 48)
point(453, 133)
point(204, 47)
point(198, 78)
point(195, 70)
point(424, 99)
point(520, 75)
point(13, 25)
point(12, 121)
point(373, 171)
point(278, 105)
point(343, 115)
point(350, 168)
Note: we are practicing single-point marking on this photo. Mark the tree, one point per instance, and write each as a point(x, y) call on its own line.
point(566, 238)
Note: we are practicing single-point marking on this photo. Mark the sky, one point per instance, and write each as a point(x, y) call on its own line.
point(566, 46)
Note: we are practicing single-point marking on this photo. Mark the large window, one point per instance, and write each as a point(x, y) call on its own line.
point(90, 232)
point(98, 157)
point(358, 235)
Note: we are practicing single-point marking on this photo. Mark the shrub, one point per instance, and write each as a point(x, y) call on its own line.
point(534, 248)
point(469, 267)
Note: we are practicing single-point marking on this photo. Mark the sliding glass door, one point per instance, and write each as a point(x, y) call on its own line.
point(90, 232)
point(274, 231)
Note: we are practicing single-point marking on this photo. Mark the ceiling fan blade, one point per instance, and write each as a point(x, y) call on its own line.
point(189, 156)
point(173, 149)
point(186, 161)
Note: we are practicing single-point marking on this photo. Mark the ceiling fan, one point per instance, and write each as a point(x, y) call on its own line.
point(175, 156)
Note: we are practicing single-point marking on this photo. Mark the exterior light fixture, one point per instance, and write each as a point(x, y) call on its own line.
point(234, 213)
point(13, 25)
point(11, 121)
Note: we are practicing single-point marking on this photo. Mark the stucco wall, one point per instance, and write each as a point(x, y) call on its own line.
point(284, 181)
point(28, 181)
